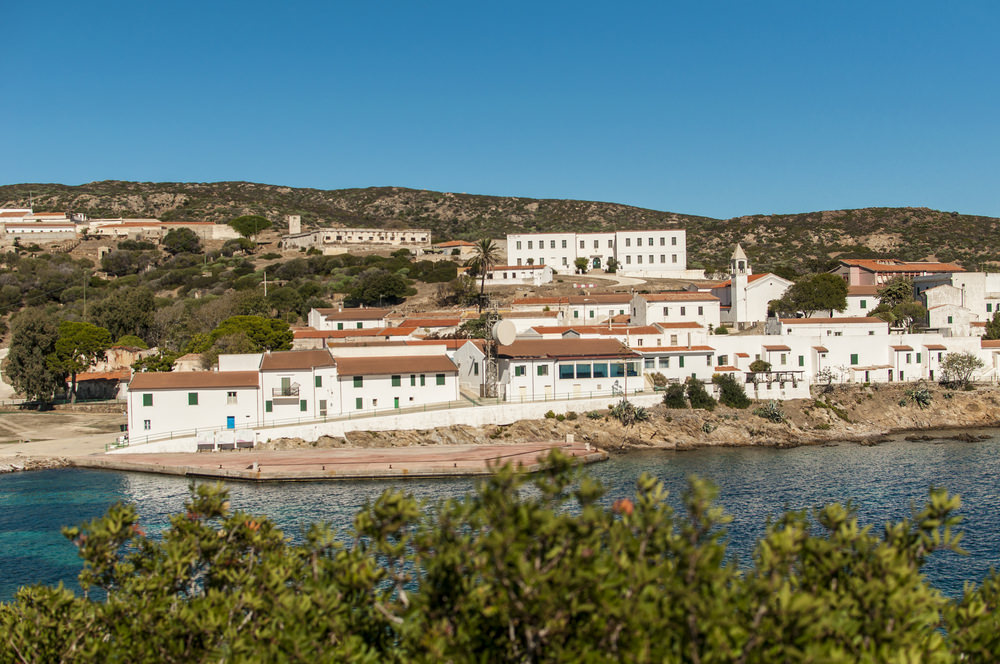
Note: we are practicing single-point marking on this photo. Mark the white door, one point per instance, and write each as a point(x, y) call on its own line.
point(523, 393)
point(548, 392)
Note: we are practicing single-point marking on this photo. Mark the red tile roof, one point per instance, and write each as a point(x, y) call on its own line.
point(935, 347)
point(900, 349)
point(394, 365)
point(895, 265)
point(172, 380)
point(679, 296)
point(120, 374)
point(431, 322)
point(296, 360)
point(357, 313)
point(672, 349)
point(780, 347)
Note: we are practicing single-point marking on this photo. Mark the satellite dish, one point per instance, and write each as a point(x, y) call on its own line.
point(504, 332)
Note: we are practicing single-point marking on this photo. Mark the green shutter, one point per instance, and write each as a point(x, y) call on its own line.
point(268, 406)
point(396, 381)
point(303, 405)
point(359, 381)
point(423, 380)
point(192, 398)
point(358, 404)
point(413, 380)
point(918, 358)
point(854, 358)
point(440, 379)
point(802, 360)
point(680, 362)
point(319, 381)
point(147, 399)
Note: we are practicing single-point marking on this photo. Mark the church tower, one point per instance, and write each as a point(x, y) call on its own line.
point(739, 272)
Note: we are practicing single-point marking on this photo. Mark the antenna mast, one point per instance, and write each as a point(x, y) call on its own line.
point(492, 369)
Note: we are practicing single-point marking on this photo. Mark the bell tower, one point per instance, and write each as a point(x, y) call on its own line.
point(739, 272)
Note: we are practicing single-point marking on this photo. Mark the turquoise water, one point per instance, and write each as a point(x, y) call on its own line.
point(755, 483)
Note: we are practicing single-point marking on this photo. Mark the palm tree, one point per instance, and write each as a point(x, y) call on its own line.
point(486, 256)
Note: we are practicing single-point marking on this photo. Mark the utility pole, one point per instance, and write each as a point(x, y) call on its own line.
point(265, 283)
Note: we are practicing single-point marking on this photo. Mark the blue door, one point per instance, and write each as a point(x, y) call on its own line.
point(230, 421)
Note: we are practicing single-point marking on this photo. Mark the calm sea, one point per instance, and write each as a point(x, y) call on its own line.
point(755, 483)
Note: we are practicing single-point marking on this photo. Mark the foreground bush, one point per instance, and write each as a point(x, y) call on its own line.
point(549, 574)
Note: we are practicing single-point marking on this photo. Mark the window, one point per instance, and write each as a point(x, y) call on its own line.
point(663, 258)
point(359, 325)
point(319, 381)
point(650, 242)
point(192, 398)
point(802, 360)
point(673, 340)
point(683, 310)
point(611, 243)
point(709, 358)
point(322, 407)
point(673, 241)
point(581, 244)
point(529, 245)
point(664, 362)
point(638, 259)
point(723, 360)
point(340, 326)
point(230, 398)
point(413, 378)
point(519, 369)
point(617, 369)
point(701, 310)
point(576, 313)
point(591, 313)
point(673, 258)
point(628, 260)
point(649, 363)
point(908, 358)
point(628, 242)
point(475, 369)
point(423, 380)
point(600, 370)
point(518, 244)
point(519, 261)
point(854, 359)
point(359, 381)
point(783, 359)
point(680, 361)
point(268, 406)
point(396, 380)
point(147, 424)
point(439, 379)
point(663, 241)
point(666, 311)
point(359, 403)
point(918, 358)
point(864, 304)
point(950, 319)
point(651, 258)
point(564, 244)
point(303, 405)
point(596, 242)
point(989, 307)
point(147, 399)
point(583, 370)
point(543, 370)
point(632, 368)
point(566, 371)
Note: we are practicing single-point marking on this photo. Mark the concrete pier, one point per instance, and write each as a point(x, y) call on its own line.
point(342, 463)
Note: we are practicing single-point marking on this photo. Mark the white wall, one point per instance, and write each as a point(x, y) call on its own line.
point(170, 410)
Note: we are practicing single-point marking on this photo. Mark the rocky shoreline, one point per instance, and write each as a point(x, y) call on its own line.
point(863, 415)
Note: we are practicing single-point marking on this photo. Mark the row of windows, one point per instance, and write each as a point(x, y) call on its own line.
point(652, 259)
point(359, 381)
point(701, 311)
point(147, 399)
point(598, 370)
point(340, 326)
point(611, 243)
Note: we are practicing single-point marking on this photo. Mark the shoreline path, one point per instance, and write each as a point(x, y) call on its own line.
point(63, 439)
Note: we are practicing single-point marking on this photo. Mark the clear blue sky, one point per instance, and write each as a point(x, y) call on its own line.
point(713, 108)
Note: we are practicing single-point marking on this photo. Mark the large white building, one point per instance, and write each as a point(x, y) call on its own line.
point(652, 253)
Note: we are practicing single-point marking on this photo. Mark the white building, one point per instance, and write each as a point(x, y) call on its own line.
point(377, 382)
point(536, 369)
point(745, 298)
point(333, 238)
point(340, 318)
point(164, 402)
point(653, 253)
point(519, 275)
point(675, 307)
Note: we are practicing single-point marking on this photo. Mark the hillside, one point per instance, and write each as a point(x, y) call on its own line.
point(788, 244)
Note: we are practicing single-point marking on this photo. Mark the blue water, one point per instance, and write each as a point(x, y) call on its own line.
point(755, 483)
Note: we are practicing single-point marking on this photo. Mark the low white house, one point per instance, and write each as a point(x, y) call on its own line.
point(347, 319)
point(536, 369)
point(519, 275)
point(675, 307)
point(164, 402)
point(298, 385)
point(385, 382)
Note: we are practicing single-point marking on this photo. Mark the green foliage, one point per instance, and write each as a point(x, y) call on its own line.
point(812, 293)
point(698, 396)
point(131, 341)
point(509, 574)
point(628, 414)
point(377, 287)
point(771, 411)
point(594, 415)
point(895, 291)
point(993, 326)
point(487, 254)
point(612, 266)
point(673, 396)
point(722, 329)
point(760, 366)
point(836, 410)
point(957, 369)
point(550, 415)
point(475, 328)
point(731, 391)
point(581, 265)
point(262, 333)
point(659, 380)
point(31, 366)
point(249, 225)
point(919, 395)
point(163, 361)
point(126, 311)
point(181, 240)
point(79, 346)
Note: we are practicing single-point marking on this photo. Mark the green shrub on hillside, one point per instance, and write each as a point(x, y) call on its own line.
point(731, 391)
